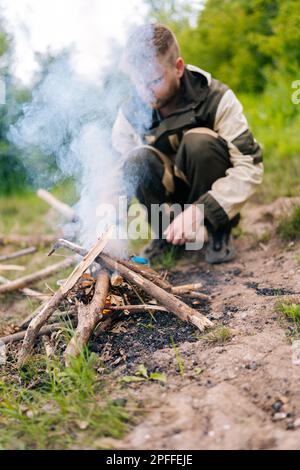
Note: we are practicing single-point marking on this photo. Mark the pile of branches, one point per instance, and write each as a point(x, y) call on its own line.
point(99, 287)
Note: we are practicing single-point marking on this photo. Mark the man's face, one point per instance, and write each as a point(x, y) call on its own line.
point(158, 85)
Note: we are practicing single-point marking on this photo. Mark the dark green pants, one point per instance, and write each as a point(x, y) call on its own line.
point(201, 159)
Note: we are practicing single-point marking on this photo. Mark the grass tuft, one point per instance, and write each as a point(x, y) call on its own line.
point(289, 228)
point(53, 407)
point(290, 314)
point(169, 257)
point(290, 311)
point(219, 335)
point(178, 357)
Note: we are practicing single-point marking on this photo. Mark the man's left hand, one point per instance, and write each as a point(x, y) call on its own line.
point(185, 226)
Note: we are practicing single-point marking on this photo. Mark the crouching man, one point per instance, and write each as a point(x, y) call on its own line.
point(183, 138)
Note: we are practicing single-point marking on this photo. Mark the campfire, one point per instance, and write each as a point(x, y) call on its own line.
point(99, 288)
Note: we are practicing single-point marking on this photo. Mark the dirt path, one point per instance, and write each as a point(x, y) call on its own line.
point(247, 396)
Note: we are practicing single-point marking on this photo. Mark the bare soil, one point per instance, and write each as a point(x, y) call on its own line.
point(242, 394)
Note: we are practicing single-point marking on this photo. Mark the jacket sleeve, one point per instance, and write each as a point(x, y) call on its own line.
point(228, 194)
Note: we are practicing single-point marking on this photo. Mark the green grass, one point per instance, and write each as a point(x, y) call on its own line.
point(178, 357)
point(168, 258)
point(289, 227)
point(142, 375)
point(25, 213)
point(290, 311)
point(219, 335)
point(48, 406)
point(290, 318)
point(45, 405)
point(22, 213)
point(275, 122)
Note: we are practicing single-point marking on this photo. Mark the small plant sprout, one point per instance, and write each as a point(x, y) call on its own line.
point(142, 374)
point(178, 358)
point(219, 335)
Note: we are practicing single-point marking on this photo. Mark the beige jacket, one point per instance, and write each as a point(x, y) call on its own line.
point(216, 107)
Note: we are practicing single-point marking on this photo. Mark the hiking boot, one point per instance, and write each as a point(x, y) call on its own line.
point(220, 248)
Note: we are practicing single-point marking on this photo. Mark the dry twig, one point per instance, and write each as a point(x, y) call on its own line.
point(37, 277)
point(21, 334)
point(88, 317)
point(59, 206)
point(48, 308)
point(18, 254)
point(168, 300)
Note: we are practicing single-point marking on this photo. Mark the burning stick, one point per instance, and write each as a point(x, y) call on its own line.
point(88, 317)
point(49, 307)
point(59, 206)
point(37, 277)
point(18, 254)
point(168, 300)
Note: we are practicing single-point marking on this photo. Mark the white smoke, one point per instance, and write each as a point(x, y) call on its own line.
point(70, 120)
point(48, 26)
point(70, 116)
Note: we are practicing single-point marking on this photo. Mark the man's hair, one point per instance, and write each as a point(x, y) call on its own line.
point(148, 42)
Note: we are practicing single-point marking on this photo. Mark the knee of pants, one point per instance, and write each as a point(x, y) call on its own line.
point(199, 147)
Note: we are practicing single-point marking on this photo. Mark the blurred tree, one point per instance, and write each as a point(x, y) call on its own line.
point(229, 35)
point(12, 172)
point(284, 43)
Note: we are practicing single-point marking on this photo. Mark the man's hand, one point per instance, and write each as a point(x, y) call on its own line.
point(185, 226)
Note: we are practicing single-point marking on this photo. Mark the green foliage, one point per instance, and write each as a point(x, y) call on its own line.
point(219, 335)
point(53, 407)
point(16, 216)
point(253, 46)
point(178, 357)
point(142, 375)
point(275, 121)
point(283, 44)
point(290, 311)
point(290, 318)
point(3, 42)
point(241, 42)
point(289, 227)
point(12, 171)
point(169, 257)
point(226, 38)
